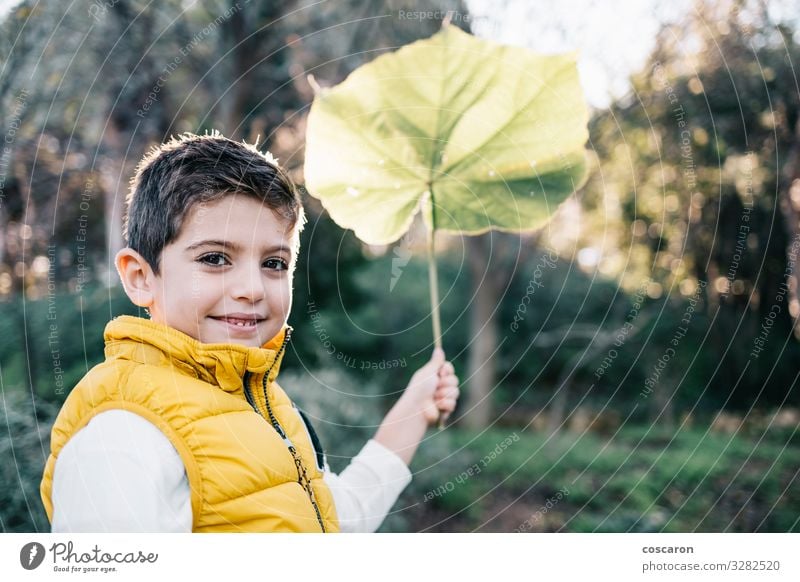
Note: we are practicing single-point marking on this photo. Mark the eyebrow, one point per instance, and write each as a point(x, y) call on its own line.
point(234, 246)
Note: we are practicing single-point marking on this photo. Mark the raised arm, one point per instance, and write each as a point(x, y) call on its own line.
point(369, 486)
point(433, 390)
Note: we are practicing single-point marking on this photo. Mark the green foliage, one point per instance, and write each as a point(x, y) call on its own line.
point(51, 343)
point(24, 445)
point(376, 326)
point(697, 164)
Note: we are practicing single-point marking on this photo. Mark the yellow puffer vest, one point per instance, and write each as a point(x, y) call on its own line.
point(249, 456)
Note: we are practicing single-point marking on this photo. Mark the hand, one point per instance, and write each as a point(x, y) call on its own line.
point(433, 388)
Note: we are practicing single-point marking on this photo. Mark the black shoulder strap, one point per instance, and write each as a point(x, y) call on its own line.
point(314, 440)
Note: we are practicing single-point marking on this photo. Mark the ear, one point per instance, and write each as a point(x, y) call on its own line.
point(136, 275)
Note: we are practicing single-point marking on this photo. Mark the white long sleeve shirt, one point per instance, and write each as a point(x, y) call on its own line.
point(121, 474)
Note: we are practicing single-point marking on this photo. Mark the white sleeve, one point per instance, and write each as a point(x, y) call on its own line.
point(368, 487)
point(120, 474)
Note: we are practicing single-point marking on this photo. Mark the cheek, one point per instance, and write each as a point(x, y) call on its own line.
point(200, 290)
point(281, 295)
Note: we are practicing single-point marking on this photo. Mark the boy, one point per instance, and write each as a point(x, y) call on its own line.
point(183, 426)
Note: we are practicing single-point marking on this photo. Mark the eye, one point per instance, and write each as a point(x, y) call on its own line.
point(213, 259)
point(276, 263)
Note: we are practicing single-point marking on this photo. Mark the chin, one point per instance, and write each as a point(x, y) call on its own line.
point(250, 342)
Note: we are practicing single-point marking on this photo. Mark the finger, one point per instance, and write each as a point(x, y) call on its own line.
point(431, 368)
point(451, 394)
point(446, 405)
point(448, 392)
point(437, 359)
point(447, 377)
point(447, 381)
point(447, 368)
point(446, 398)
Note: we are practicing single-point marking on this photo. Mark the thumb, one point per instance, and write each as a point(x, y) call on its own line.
point(433, 365)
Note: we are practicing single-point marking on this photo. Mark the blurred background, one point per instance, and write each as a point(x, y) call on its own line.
point(631, 367)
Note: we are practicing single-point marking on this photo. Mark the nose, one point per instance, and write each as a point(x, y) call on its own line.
point(247, 284)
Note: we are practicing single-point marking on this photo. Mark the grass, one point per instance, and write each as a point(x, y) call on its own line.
point(638, 481)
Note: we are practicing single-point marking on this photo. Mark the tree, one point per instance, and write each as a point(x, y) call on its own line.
point(702, 158)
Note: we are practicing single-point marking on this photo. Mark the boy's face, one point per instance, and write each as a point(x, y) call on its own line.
point(227, 278)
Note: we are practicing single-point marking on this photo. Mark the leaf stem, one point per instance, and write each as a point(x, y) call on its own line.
point(433, 280)
point(434, 289)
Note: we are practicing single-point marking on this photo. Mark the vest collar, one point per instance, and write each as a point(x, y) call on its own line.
point(225, 365)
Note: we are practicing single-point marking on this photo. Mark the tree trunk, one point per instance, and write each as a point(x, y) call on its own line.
point(662, 409)
point(112, 183)
point(790, 207)
point(240, 26)
point(481, 364)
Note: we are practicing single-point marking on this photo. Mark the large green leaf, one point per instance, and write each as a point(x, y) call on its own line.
point(475, 134)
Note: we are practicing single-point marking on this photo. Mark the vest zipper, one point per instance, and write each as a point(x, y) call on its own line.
point(302, 475)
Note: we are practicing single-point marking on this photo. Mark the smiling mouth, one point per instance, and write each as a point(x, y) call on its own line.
point(238, 321)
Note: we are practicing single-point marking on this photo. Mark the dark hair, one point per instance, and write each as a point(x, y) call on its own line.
point(190, 169)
